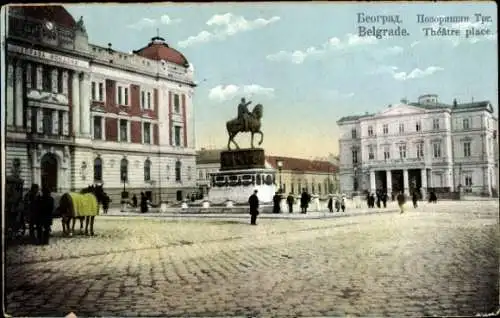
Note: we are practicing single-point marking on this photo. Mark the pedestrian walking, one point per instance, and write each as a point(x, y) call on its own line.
point(337, 204)
point(144, 203)
point(330, 204)
point(30, 209)
point(290, 200)
point(105, 203)
point(134, 201)
point(414, 198)
point(253, 202)
point(305, 198)
point(384, 199)
point(342, 204)
point(44, 217)
point(401, 201)
point(276, 203)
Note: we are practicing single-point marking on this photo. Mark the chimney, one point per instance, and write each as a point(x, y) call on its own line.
point(454, 102)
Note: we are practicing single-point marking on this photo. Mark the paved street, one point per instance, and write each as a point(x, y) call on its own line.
point(436, 260)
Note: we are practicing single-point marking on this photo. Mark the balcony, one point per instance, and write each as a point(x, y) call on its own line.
point(50, 138)
point(34, 31)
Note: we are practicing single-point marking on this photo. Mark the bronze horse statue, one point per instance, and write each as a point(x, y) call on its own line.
point(235, 126)
point(83, 205)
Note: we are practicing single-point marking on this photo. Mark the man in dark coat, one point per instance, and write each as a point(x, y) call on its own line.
point(290, 201)
point(401, 198)
point(305, 198)
point(330, 204)
point(105, 203)
point(276, 203)
point(384, 199)
point(253, 201)
point(414, 198)
point(31, 209)
point(44, 217)
point(144, 203)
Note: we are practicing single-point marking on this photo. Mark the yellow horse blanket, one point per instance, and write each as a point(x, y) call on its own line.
point(84, 204)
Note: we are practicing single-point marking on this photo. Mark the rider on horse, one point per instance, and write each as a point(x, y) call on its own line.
point(243, 113)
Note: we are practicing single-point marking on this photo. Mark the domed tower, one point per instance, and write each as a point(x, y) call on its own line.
point(428, 99)
point(159, 50)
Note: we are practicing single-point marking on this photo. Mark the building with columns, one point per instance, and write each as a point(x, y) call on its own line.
point(316, 176)
point(424, 145)
point(80, 114)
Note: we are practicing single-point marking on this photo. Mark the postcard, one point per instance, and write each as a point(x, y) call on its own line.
point(279, 159)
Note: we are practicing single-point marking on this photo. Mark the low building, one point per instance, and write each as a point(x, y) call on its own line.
point(316, 176)
point(425, 145)
point(79, 113)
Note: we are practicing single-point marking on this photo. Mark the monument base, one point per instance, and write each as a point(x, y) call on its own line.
point(239, 185)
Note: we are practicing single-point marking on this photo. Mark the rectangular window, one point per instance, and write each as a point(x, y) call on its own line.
point(435, 124)
point(387, 153)
point(467, 149)
point(93, 91)
point(354, 156)
point(101, 92)
point(371, 154)
point(46, 80)
point(402, 151)
point(123, 130)
point(370, 131)
point(401, 128)
point(468, 180)
point(466, 124)
point(97, 128)
point(420, 150)
point(177, 103)
point(437, 150)
point(143, 99)
point(61, 123)
point(60, 79)
point(385, 129)
point(125, 96)
point(353, 134)
point(149, 100)
point(147, 133)
point(119, 95)
point(418, 126)
point(47, 121)
point(177, 135)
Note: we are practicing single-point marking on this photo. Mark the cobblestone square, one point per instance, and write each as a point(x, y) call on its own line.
point(439, 259)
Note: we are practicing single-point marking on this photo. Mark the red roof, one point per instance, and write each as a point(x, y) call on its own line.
point(304, 165)
point(55, 14)
point(158, 50)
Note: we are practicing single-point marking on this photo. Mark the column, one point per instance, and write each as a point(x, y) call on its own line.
point(373, 184)
point(423, 177)
point(65, 77)
point(9, 110)
point(389, 181)
point(55, 122)
point(54, 77)
point(85, 105)
point(129, 137)
point(405, 182)
point(65, 124)
point(39, 77)
point(75, 100)
point(19, 114)
point(487, 181)
point(39, 120)
point(103, 128)
point(29, 76)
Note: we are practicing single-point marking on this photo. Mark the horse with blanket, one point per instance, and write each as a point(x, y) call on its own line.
point(83, 205)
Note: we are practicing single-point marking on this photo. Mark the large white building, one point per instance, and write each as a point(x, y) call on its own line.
point(421, 146)
point(78, 113)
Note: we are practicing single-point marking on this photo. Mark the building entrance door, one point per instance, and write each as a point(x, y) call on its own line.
point(49, 171)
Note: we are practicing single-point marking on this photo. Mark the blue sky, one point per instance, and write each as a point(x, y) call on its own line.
point(305, 62)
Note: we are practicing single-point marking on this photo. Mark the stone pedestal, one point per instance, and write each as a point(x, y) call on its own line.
point(242, 172)
point(163, 207)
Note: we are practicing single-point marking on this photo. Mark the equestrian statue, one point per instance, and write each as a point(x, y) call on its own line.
point(245, 122)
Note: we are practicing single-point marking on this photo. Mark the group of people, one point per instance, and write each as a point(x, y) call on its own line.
point(339, 204)
point(379, 198)
point(38, 212)
point(305, 199)
point(144, 202)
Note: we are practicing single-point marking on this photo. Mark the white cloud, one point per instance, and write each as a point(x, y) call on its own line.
point(225, 25)
point(403, 76)
point(223, 93)
point(333, 44)
point(149, 23)
point(390, 51)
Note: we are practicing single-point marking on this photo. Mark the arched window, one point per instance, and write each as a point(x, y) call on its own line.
point(124, 170)
point(98, 169)
point(147, 170)
point(178, 171)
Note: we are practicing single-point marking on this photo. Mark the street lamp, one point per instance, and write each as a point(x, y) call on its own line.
point(279, 163)
point(355, 183)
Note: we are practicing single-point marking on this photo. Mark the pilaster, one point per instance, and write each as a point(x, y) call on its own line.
point(54, 80)
point(55, 122)
point(39, 120)
point(85, 105)
point(405, 182)
point(9, 109)
point(75, 99)
point(65, 124)
point(389, 181)
point(423, 178)
point(39, 77)
point(373, 184)
point(19, 113)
